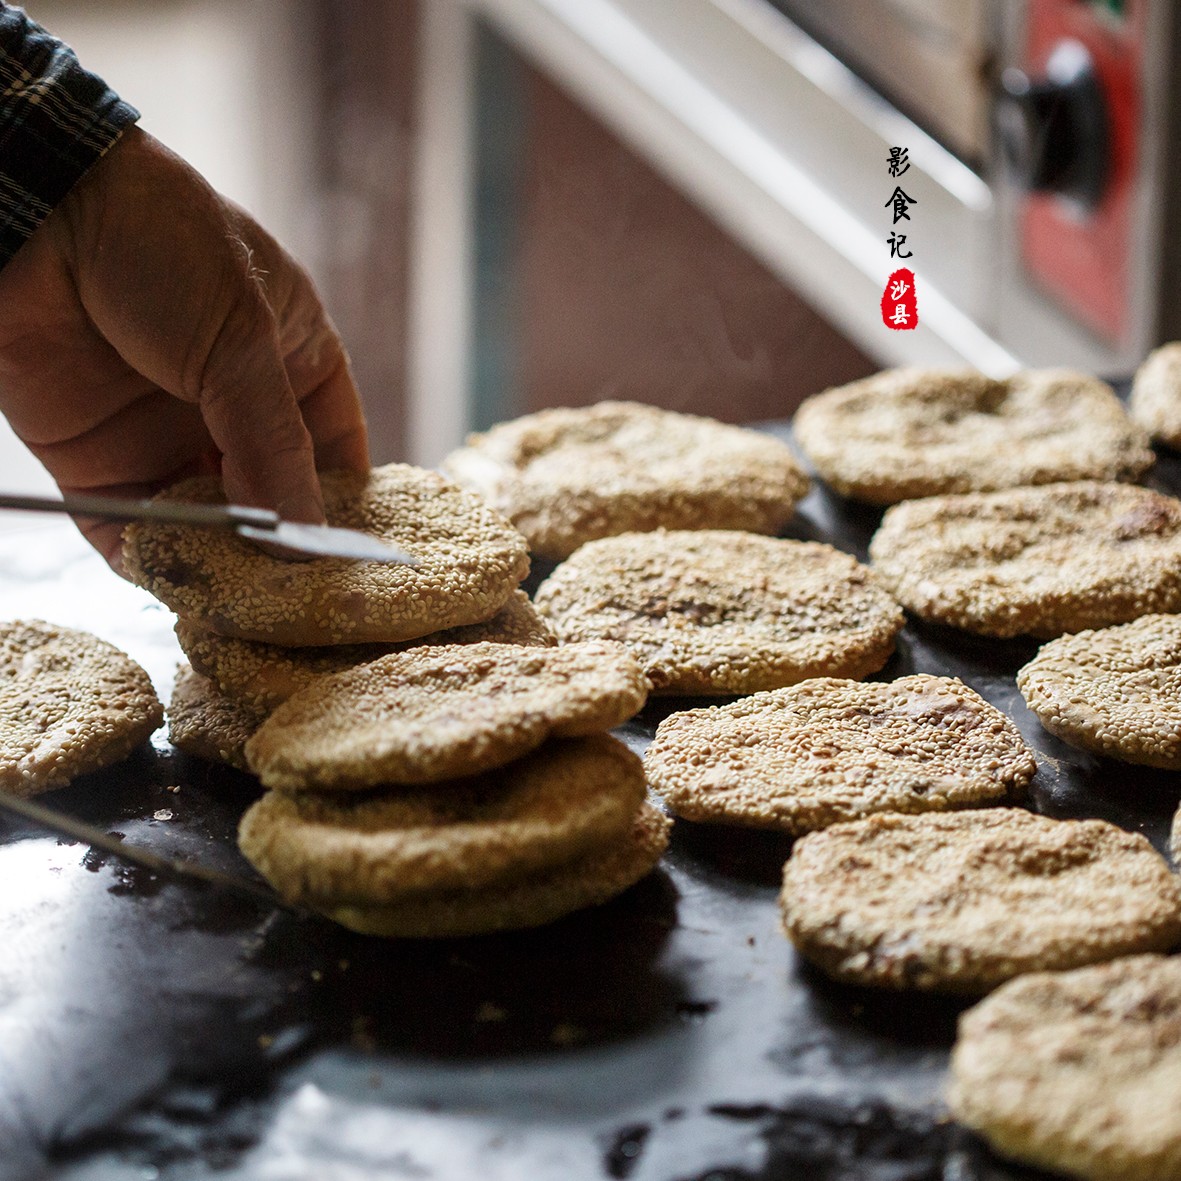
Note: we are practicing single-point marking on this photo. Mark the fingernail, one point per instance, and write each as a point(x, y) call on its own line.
point(302, 507)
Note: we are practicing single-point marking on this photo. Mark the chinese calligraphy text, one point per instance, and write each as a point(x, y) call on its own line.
point(899, 161)
point(900, 309)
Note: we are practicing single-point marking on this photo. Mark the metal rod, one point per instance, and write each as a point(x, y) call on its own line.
point(254, 524)
point(156, 862)
point(115, 509)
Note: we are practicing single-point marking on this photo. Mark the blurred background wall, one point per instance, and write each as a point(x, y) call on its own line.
point(576, 274)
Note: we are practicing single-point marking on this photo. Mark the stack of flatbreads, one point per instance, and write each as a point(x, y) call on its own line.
point(455, 789)
point(439, 766)
point(232, 685)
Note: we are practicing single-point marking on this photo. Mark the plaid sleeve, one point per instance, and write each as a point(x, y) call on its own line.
point(56, 120)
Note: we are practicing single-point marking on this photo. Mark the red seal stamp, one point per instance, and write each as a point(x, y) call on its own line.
point(900, 306)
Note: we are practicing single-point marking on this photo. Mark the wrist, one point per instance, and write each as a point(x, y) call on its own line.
point(56, 121)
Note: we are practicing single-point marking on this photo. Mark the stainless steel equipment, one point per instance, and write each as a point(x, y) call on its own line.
point(1038, 134)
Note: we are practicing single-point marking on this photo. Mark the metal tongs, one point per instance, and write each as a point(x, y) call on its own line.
point(255, 524)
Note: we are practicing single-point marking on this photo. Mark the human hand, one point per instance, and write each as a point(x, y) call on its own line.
point(151, 330)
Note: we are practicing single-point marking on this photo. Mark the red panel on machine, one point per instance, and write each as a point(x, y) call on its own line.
point(1083, 256)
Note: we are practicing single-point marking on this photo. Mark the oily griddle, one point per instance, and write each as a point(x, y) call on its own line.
point(673, 1033)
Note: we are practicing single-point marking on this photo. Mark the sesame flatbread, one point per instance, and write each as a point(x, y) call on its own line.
point(70, 704)
point(204, 722)
point(907, 433)
point(1115, 691)
point(1155, 401)
point(434, 713)
point(716, 611)
point(1078, 1072)
point(469, 561)
point(590, 880)
point(568, 476)
point(263, 676)
point(961, 901)
point(827, 750)
point(1034, 561)
point(381, 848)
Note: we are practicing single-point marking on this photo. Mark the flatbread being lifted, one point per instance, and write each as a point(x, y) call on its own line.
point(470, 560)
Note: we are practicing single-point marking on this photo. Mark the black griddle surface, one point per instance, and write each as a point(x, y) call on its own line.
point(153, 1029)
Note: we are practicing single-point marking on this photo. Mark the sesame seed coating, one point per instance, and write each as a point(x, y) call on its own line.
point(715, 611)
point(906, 433)
point(568, 476)
point(263, 676)
point(70, 704)
point(541, 898)
point(1034, 561)
point(469, 561)
point(436, 712)
point(829, 750)
point(204, 722)
point(961, 901)
point(1115, 690)
point(1078, 1072)
point(383, 847)
point(1155, 401)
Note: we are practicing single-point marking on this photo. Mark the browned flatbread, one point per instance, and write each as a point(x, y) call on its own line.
point(204, 722)
point(470, 560)
point(907, 433)
point(1034, 561)
point(717, 611)
point(70, 704)
point(828, 750)
point(1115, 691)
point(961, 901)
point(1155, 402)
point(568, 476)
point(263, 676)
point(437, 712)
point(1078, 1072)
point(542, 897)
point(327, 850)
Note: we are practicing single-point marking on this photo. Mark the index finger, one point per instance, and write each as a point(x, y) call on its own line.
point(253, 416)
